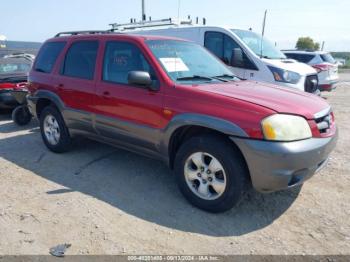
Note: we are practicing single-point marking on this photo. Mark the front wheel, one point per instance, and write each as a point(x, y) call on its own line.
point(211, 173)
point(53, 130)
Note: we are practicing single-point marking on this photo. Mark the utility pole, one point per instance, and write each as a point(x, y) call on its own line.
point(322, 45)
point(143, 11)
point(262, 34)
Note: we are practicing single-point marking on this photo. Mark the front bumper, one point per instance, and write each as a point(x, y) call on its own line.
point(7, 100)
point(275, 166)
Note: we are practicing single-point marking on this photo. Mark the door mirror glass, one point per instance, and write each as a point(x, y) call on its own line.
point(141, 78)
point(237, 59)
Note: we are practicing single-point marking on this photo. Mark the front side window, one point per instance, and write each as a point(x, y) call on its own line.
point(224, 48)
point(187, 62)
point(214, 41)
point(47, 56)
point(121, 58)
point(80, 60)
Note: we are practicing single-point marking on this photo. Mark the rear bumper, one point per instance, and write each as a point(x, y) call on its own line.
point(275, 166)
point(7, 100)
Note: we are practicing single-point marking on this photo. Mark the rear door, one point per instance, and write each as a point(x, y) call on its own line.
point(124, 112)
point(75, 83)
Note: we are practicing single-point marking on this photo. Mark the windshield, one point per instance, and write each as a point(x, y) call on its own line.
point(12, 68)
point(257, 44)
point(187, 62)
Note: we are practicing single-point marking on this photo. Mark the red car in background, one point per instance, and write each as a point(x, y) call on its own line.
point(14, 70)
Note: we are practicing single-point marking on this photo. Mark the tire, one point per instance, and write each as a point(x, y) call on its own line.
point(51, 122)
point(21, 115)
point(234, 175)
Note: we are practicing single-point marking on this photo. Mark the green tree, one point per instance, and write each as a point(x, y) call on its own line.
point(307, 43)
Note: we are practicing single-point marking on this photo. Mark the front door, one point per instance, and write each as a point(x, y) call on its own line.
point(126, 112)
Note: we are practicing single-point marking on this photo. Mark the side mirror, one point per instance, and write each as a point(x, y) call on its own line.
point(141, 78)
point(237, 58)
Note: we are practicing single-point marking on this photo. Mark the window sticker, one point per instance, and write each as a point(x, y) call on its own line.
point(173, 64)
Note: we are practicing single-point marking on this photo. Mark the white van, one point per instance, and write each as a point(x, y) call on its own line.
point(241, 51)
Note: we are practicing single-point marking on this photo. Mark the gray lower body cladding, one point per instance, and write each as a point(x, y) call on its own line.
point(275, 166)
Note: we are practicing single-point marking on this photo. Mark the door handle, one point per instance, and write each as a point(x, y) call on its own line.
point(106, 94)
point(60, 86)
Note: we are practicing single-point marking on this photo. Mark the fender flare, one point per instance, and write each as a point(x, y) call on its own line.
point(40, 94)
point(191, 119)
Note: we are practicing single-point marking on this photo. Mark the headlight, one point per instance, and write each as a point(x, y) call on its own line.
point(281, 127)
point(285, 76)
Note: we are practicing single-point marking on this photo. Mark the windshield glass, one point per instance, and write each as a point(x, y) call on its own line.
point(257, 44)
point(9, 68)
point(187, 62)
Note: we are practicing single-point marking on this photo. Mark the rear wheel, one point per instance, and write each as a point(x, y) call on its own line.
point(53, 130)
point(211, 173)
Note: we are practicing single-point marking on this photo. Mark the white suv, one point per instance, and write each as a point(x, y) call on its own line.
point(323, 62)
point(245, 52)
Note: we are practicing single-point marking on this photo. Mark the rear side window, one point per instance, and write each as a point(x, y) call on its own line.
point(80, 60)
point(328, 58)
point(47, 56)
point(304, 58)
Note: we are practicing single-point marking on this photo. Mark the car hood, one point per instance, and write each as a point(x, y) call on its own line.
point(279, 99)
point(291, 65)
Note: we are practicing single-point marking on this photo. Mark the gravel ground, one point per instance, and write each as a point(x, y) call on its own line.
point(103, 200)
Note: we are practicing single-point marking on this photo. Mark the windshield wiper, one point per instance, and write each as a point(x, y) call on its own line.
point(221, 77)
point(194, 77)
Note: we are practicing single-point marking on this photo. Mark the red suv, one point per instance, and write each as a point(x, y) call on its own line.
point(173, 100)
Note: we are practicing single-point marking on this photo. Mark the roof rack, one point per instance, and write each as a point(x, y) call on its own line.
point(83, 33)
point(151, 23)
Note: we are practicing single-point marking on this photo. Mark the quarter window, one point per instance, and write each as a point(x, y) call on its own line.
point(47, 56)
point(120, 58)
point(80, 60)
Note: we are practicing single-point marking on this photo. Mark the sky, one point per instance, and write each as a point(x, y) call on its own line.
point(322, 20)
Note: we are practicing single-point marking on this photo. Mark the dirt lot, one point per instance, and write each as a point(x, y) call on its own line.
point(105, 200)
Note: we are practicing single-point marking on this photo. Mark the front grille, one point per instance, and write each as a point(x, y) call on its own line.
point(311, 83)
point(324, 122)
